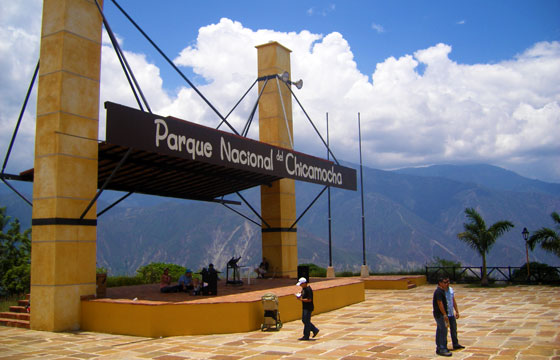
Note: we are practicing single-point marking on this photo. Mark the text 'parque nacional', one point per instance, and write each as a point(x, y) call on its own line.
point(175, 137)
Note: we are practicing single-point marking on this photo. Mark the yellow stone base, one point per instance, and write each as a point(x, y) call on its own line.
point(210, 315)
point(395, 282)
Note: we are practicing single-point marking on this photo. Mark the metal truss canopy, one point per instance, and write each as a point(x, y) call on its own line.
point(161, 175)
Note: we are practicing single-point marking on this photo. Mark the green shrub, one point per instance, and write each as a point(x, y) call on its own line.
point(17, 280)
point(6, 302)
point(152, 272)
point(15, 256)
point(149, 274)
point(543, 271)
point(316, 271)
point(439, 262)
point(447, 270)
point(114, 281)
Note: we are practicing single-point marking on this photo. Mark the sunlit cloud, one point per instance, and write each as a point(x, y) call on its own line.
point(325, 11)
point(506, 113)
point(378, 28)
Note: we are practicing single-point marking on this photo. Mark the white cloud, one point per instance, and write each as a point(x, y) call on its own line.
point(505, 114)
point(20, 25)
point(115, 87)
point(325, 11)
point(449, 113)
point(477, 113)
point(377, 27)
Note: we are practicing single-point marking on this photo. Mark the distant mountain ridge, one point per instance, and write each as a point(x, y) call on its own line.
point(412, 216)
point(489, 176)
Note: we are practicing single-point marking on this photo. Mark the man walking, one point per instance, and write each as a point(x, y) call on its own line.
point(452, 314)
point(306, 298)
point(439, 303)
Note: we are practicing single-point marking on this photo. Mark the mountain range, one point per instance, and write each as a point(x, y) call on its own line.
point(412, 216)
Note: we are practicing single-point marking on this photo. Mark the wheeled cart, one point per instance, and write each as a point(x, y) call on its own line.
point(271, 314)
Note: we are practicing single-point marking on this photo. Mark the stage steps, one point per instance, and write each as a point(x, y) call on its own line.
point(17, 316)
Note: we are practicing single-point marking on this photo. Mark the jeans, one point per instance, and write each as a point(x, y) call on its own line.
point(441, 334)
point(308, 325)
point(453, 330)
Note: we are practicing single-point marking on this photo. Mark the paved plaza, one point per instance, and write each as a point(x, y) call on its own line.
point(516, 322)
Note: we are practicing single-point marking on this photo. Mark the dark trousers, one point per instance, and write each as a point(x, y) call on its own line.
point(453, 330)
point(308, 326)
point(441, 334)
point(171, 289)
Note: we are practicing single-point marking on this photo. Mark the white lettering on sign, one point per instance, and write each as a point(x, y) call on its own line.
point(245, 157)
point(180, 143)
point(295, 168)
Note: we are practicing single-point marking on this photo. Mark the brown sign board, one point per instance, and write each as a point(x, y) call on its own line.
point(179, 138)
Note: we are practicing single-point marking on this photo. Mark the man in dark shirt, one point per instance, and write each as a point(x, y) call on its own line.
point(439, 303)
point(306, 298)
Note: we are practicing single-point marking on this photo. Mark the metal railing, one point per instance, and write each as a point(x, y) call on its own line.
point(510, 274)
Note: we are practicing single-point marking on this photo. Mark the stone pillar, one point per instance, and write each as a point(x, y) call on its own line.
point(63, 252)
point(278, 202)
point(364, 271)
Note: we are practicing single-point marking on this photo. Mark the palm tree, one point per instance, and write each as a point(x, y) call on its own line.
point(548, 238)
point(480, 238)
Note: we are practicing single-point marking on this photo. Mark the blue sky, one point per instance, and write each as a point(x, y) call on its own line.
point(479, 31)
point(435, 82)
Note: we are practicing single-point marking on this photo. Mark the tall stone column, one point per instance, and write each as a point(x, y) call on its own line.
point(278, 202)
point(63, 252)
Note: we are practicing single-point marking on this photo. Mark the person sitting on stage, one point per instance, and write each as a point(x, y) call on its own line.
point(165, 283)
point(186, 281)
point(197, 287)
point(262, 269)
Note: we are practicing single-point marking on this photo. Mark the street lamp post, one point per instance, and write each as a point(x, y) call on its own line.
point(525, 234)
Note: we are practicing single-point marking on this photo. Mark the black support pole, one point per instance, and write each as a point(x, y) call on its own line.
point(362, 190)
point(329, 198)
point(172, 64)
point(3, 176)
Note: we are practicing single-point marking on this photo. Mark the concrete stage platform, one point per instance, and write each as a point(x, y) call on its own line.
point(143, 311)
point(237, 308)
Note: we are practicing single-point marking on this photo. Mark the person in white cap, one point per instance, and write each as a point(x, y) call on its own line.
point(306, 298)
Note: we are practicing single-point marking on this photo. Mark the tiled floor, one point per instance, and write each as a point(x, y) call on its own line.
point(518, 322)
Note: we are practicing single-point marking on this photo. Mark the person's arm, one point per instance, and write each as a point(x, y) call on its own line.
point(456, 308)
point(306, 298)
point(443, 311)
